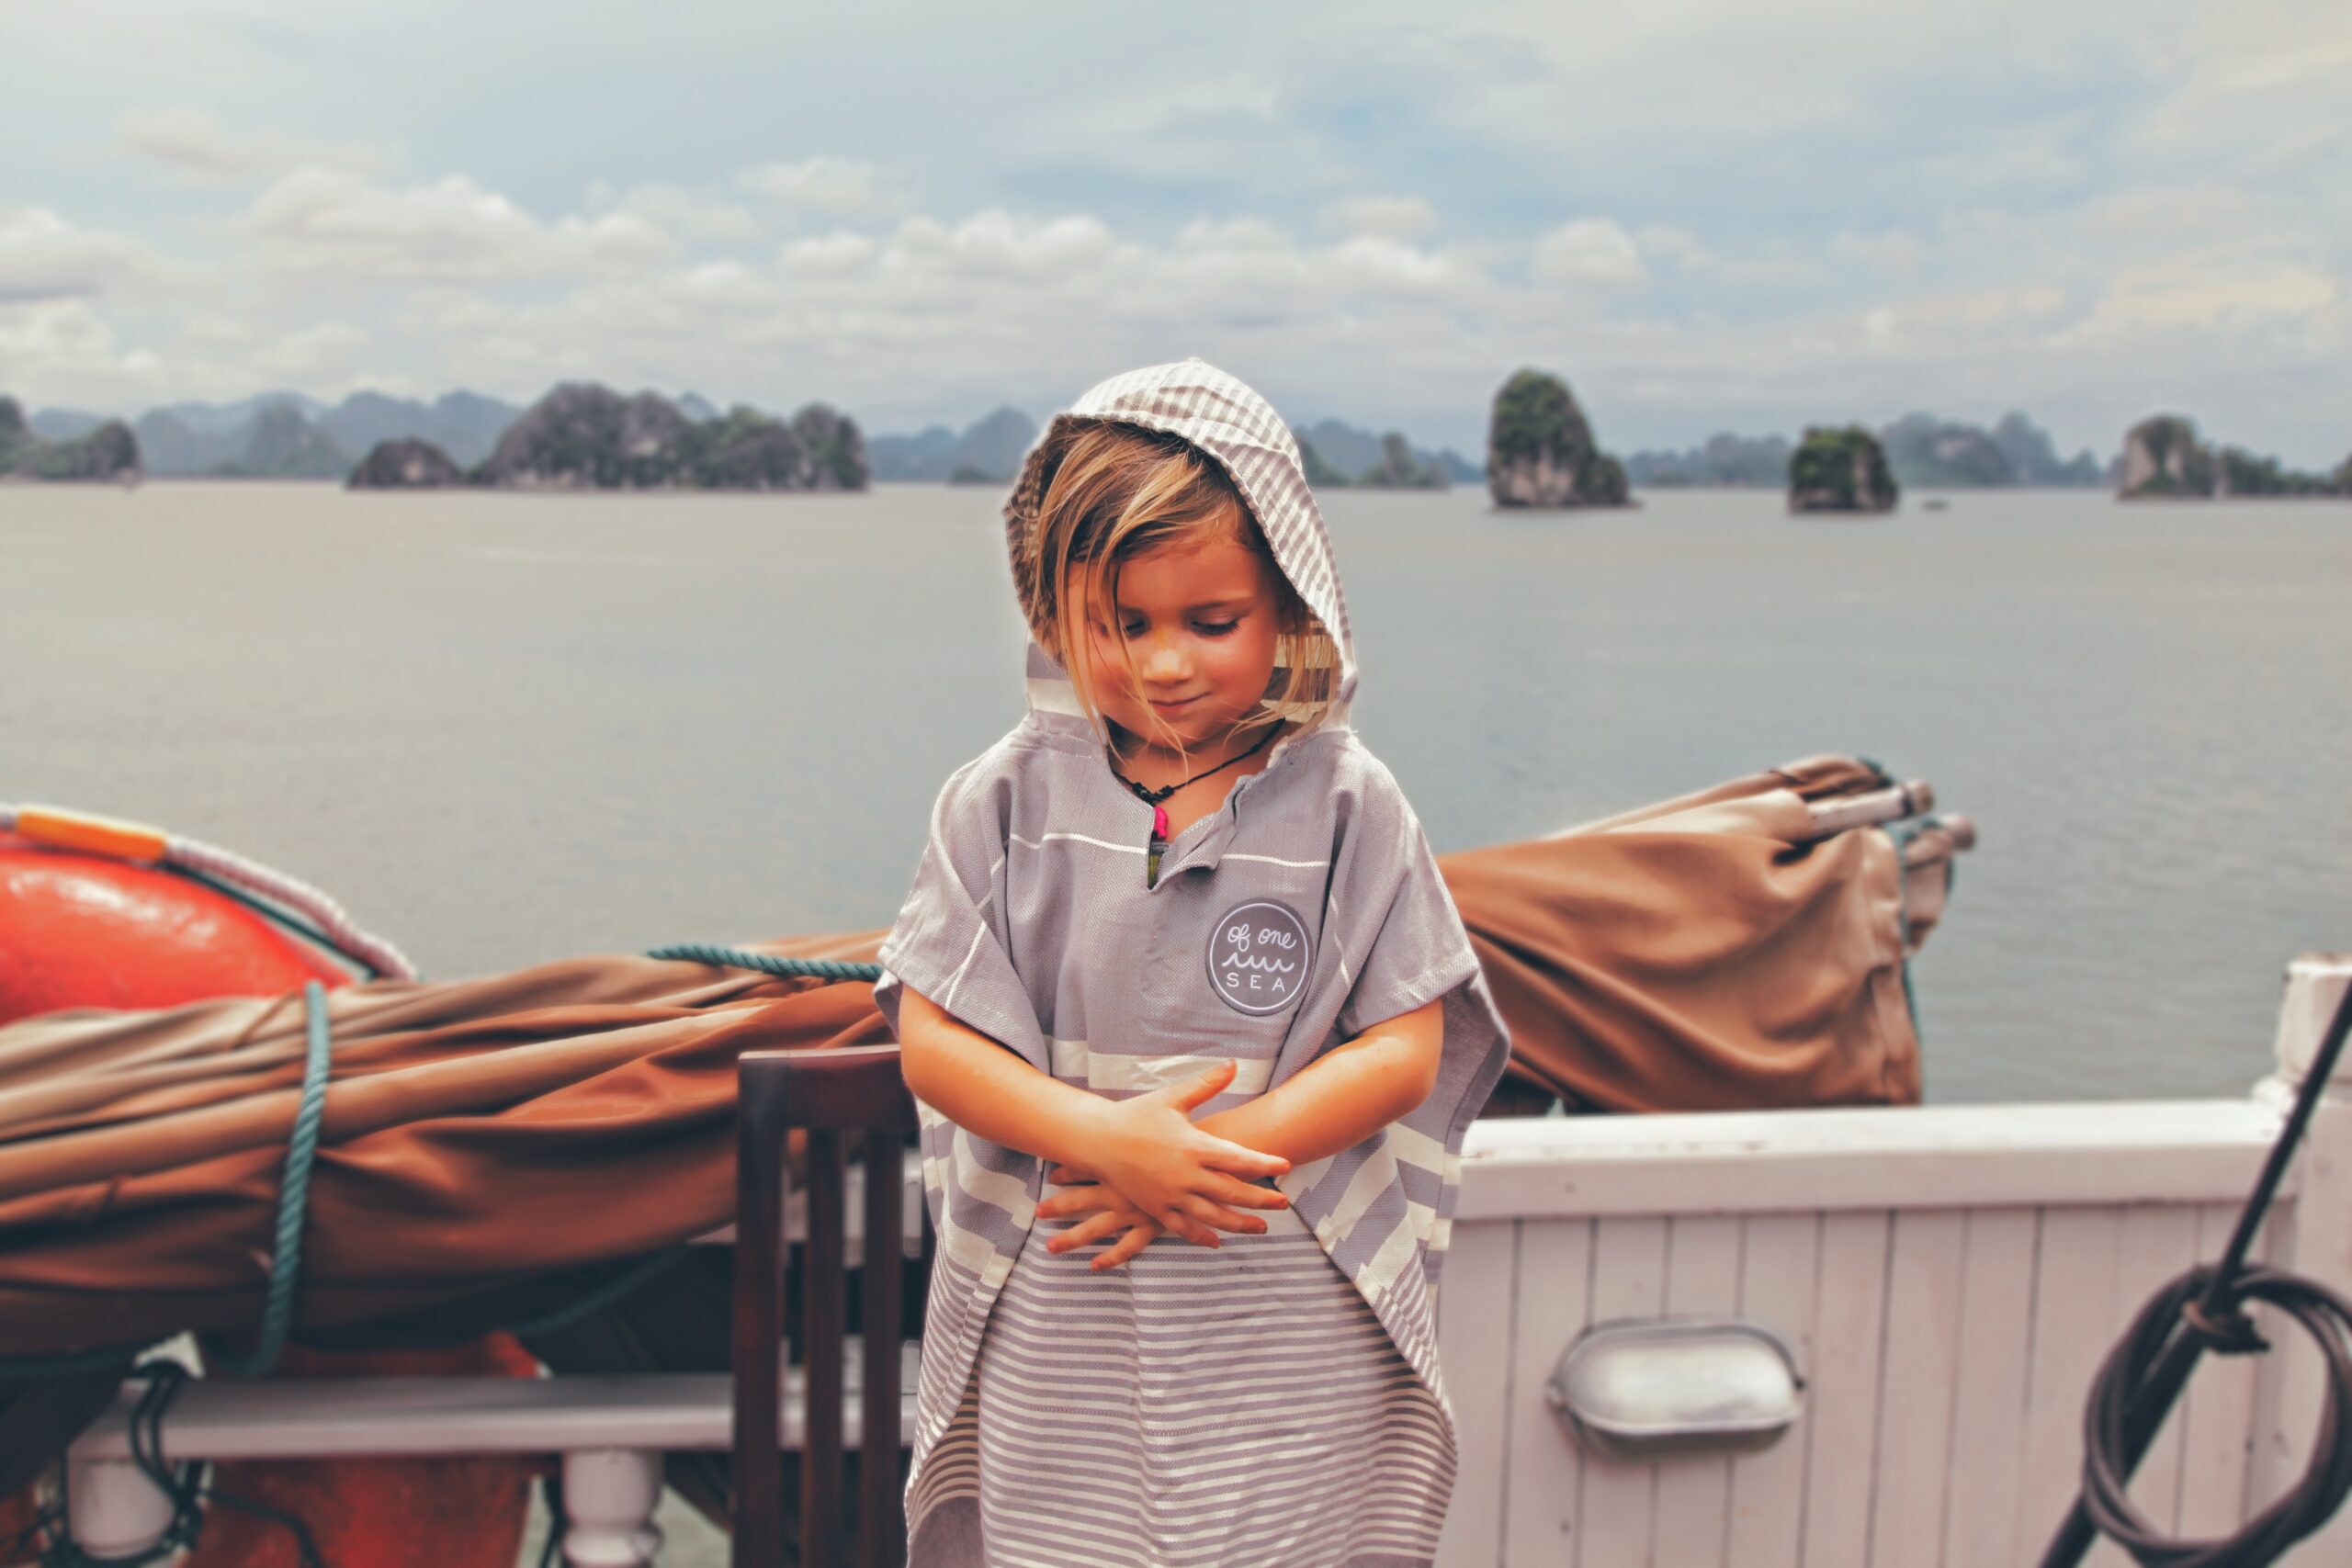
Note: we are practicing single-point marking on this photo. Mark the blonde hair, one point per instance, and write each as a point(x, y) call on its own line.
point(1118, 491)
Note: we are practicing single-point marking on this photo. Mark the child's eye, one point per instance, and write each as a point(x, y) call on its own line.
point(1206, 628)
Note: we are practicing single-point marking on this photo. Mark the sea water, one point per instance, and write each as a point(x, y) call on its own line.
point(502, 728)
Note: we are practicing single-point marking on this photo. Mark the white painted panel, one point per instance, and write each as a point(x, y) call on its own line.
point(1923, 1283)
point(1628, 1281)
point(2072, 1332)
point(1540, 1517)
point(1701, 1280)
point(1848, 1323)
point(2219, 1405)
point(1779, 1256)
point(1477, 1293)
point(1988, 1410)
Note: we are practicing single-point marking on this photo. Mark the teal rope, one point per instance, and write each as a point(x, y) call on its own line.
point(293, 1196)
point(737, 958)
point(286, 1258)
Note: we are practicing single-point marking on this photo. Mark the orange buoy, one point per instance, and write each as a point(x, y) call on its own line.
point(82, 930)
point(82, 926)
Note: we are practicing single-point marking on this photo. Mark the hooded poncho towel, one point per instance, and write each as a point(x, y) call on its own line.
point(1305, 910)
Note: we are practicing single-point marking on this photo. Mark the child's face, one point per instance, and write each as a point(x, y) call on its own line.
point(1200, 621)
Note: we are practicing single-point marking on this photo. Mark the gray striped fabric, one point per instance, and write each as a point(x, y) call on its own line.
point(1305, 909)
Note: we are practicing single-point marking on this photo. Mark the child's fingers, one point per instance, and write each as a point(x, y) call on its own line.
point(1079, 1201)
point(1223, 1218)
point(1070, 1176)
point(1223, 1154)
point(1201, 1085)
point(1087, 1232)
point(1126, 1246)
point(1177, 1223)
point(1226, 1190)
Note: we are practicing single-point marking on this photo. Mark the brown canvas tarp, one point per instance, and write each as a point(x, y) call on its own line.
point(1700, 954)
point(481, 1134)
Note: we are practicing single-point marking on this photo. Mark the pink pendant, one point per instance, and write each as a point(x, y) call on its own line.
point(1159, 822)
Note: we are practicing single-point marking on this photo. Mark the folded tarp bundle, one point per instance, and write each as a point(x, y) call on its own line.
point(480, 1134)
point(1711, 953)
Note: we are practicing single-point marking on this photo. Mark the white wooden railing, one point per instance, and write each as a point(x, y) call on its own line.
point(1947, 1276)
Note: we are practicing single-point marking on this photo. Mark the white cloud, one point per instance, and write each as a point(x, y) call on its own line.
point(193, 144)
point(1392, 216)
point(348, 231)
point(836, 254)
point(321, 357)
point(1375, 263)
point(1889, 249)
point(1592, 252)
point(63, 351)
point(676, 209)
point(825, 185)
point(1210, 236)
point(2177, 295)
point(1769, 264)
point(994, 242)
point(44, 256)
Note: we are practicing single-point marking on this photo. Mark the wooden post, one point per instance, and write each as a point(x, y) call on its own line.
point(758, 1473)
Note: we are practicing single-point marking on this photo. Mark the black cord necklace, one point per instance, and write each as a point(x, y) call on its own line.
point(1152, 797)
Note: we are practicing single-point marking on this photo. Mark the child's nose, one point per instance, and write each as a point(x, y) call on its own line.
point(1164, 661)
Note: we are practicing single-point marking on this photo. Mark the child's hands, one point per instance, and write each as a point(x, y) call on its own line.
point(1114, 1215)
point(1148, 1151)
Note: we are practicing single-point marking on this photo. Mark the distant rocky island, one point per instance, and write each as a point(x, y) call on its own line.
point(2165, 460)
point(583, 436)
point(106, 452)
point(1337, 454)
point(406, 464)
point(285, 434)
point(1540, 451)
point(987, 452)
point(1922, 451)
point(990, 450)
point(1724, 461)
point(1841, 470)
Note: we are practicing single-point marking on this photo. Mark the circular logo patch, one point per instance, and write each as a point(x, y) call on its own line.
point(1258, 955)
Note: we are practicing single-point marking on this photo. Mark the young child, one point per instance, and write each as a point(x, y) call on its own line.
point(1175, 937)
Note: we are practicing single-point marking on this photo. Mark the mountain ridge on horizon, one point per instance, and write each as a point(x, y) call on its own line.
point(191, 438)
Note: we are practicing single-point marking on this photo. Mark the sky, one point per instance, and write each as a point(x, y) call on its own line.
point(1705, 214)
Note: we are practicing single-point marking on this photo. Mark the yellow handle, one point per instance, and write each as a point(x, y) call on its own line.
point(97, 835)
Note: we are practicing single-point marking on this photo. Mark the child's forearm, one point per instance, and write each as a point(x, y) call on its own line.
point(986, 1089)
point(1345, 1095)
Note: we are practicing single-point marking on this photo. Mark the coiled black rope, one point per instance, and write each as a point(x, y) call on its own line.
point(2203, 1309)
point(2309, 1504)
